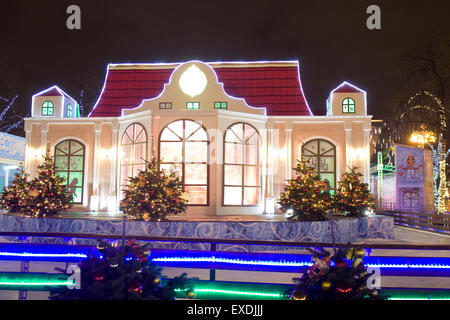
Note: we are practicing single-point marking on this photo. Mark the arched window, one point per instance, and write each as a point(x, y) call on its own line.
point(69, 163)
point(69, 110)
point(133, 151)
point(183, 148)
point(348, 105)
point(242, 166)
point(47, 108)
point(321, 155)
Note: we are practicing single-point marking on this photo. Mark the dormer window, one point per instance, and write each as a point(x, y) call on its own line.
point(69, 110)
point(348, 105)
point(47, 108)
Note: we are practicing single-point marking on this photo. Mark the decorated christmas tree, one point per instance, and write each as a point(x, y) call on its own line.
point(352, 195)
point(15, 198)
point(342, 276)
point(153, 194)
point(48, 192)
point(122, 273)
point(306, 196)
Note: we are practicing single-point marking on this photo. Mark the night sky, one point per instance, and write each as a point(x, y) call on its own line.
point(329, 38)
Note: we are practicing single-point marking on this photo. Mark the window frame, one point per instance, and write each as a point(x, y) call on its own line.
point(221, 104)
point(193, 103)
point(243, 165)
point(319, 155)
point(69, 154)
point(165, 105)
point(133, 164)
point(347, 103)
point(183, 162)
point(69, 111)
point(48, 105)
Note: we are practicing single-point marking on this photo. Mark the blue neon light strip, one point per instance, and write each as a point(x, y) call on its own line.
point(40, 252)
point(221, 260)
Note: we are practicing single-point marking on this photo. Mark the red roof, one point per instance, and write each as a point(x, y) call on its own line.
point(273, 85)
point(53, 91)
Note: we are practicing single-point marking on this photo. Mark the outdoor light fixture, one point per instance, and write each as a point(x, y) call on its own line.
point(270, 206)
point(193, 81)
point(422, 137)
point(94, 203)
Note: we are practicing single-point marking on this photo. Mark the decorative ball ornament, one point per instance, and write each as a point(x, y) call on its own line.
point(134, 286)
point(156, 281)
point(190, 293)
point(298, 295)
point(98, 276)
point(326, 285)
point(359, 252)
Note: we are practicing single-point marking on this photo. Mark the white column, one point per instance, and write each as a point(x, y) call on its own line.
point(270, 161)
point(288, 130)
point(97, 130)
point(44, 130)
point(28, 153)
point(348, 146)
point(367, 156)
point(114, 158)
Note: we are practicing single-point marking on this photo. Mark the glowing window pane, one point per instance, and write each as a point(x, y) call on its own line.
point(199, 135)
point(175, 168)
point(75, 179)
point(232, 196)
point(195, 174)
point(171, 151)
point(125, 173)
point(325, 146)
point(77, 195)
point(69, 110)
point(249, 132)
point(233, 153)
point(197, 194)
point(251, 196)
point(47, 108)
point(69, 162)
point(76, 163)
point(196, 151)
point(251, 177)
point(233, 175)
point(238, 130)
point(327, 164)
point(348, 105)
point(127, 157)
point(230, 136)
point(139, 153)
point(61, 163)
point(190, 128)
point(251, 154)
point(177, 128)
point(140, 136)
point(168, 135)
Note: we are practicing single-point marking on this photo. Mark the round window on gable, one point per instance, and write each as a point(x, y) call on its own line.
point(348, 105)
